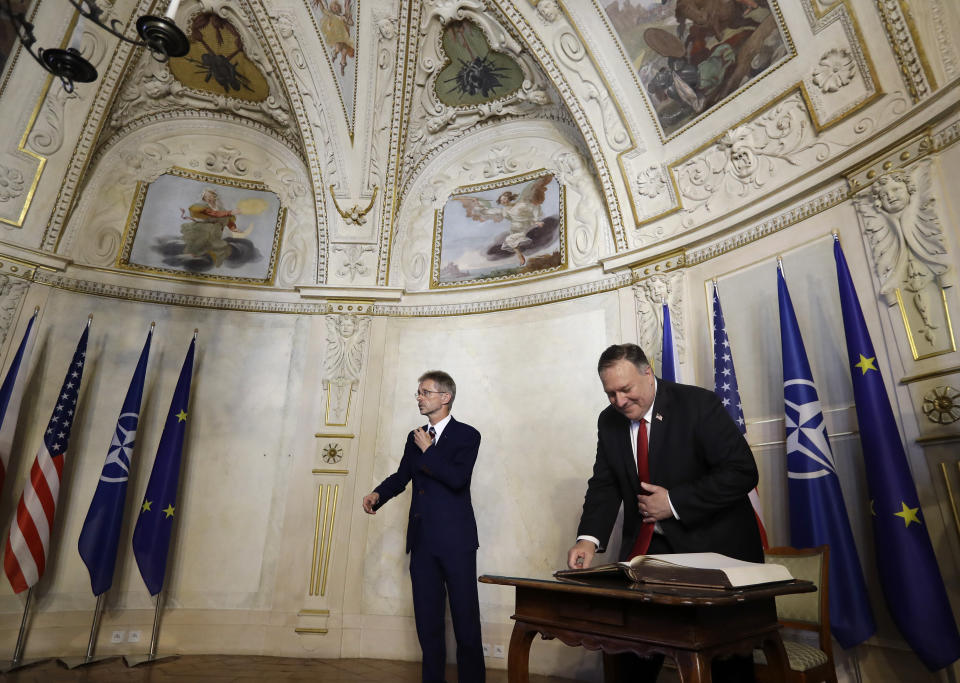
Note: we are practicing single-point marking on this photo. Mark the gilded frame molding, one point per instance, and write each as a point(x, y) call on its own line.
point(136, 209)
point(492, 185)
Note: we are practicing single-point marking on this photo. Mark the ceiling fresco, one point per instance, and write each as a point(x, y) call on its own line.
point(660, 123)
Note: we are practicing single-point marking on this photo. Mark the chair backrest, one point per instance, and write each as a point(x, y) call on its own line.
point(807, 611)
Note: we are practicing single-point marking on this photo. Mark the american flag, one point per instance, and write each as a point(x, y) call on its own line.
point(24, 558)
point(725, 387)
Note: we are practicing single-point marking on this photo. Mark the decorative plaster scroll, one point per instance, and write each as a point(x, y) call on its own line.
point(150, 88)
point(748, 159)
point(649, 296)
point(902, 226)
point(347, 337)
point(351, 264)
point(382, 89)
point(226, 159)
point(908, 53)
point(587, 222)
point(572, 54)
point(46, 136)
point(12, 291)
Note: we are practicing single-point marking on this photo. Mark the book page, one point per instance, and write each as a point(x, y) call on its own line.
point(701, 560)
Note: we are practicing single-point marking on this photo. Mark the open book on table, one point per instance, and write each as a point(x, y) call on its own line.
point(706, 570)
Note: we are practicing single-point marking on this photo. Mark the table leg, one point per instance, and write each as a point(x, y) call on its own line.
point(694, 667)
point(776, 655)
point(518, 656)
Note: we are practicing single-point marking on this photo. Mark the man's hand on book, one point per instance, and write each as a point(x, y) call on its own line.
point(581, 555)
point(369, 501)
point(653, 505)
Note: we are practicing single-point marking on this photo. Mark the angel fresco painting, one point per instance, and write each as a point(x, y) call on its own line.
point(335, 25)
point(188, 223)
point(501, 231)
point(336, 22)
point(692, 54)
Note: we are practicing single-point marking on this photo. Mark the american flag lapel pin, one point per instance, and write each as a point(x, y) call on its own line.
point(659, 417)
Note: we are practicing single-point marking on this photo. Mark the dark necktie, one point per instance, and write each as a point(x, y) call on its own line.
point(643, 471)
point(433, 434)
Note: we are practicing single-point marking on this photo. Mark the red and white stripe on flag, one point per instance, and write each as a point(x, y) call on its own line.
point(25, 555)
point(755, 502)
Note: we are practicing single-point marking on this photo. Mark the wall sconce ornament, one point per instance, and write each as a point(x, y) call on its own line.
point(942, 405)
point(332, 454)
point(158, 34)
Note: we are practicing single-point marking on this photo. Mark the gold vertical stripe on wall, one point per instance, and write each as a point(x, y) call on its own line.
point(333, 516)
point(316, 540)
point(323, 538)
point(953, 502)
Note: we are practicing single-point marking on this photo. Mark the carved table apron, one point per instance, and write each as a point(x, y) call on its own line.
point(690, 625)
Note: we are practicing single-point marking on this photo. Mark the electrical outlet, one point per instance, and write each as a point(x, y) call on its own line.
point(117, 636)
point(498, 651)
point(133, 637)
point(486, 649)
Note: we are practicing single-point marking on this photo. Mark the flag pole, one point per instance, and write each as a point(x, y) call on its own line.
point(94, 628)
point(18, 652)
point(156, 628)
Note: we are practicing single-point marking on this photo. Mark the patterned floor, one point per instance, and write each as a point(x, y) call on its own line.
point(223, 668)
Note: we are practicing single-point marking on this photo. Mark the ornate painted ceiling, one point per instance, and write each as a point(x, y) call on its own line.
point(446, 148)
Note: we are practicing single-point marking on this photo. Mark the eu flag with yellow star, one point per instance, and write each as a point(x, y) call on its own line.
point(151, 536)
point(906, 563)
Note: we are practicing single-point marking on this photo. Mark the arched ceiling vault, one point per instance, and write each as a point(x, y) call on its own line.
point(674, 121)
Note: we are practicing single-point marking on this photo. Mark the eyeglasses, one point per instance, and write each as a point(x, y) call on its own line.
point(424, 393)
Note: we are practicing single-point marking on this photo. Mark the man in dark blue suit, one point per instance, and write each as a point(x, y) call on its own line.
point(441, 530)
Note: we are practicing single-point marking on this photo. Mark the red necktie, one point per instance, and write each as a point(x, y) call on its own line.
point(643, 470)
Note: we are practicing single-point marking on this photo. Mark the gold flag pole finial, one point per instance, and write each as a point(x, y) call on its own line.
point(196, 331)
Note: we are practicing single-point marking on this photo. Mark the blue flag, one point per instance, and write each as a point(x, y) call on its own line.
point(668, 358)
point(151, 536)
point(817, 513)
point(100, 534)
point(11, 395)
point(905, 560)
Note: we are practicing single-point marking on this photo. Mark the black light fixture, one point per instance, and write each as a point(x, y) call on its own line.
point(159, 34)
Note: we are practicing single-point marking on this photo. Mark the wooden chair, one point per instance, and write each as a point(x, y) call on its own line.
point(804, 611)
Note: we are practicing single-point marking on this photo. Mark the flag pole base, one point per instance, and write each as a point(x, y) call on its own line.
point(10, 665)
point(136, 660)
point(77, 662)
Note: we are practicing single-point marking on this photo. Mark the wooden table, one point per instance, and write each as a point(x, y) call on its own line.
point(690, 625)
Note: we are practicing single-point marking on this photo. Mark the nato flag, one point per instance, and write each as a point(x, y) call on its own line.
point(905, 560)
point(100, 534)
point(151, 536)
point(817, 513)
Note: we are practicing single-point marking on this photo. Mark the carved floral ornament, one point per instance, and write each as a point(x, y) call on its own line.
point(11, 183)
point(835, 70)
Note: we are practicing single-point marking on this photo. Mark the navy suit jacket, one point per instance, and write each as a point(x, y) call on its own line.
point(441, 512)
point(699, 455)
